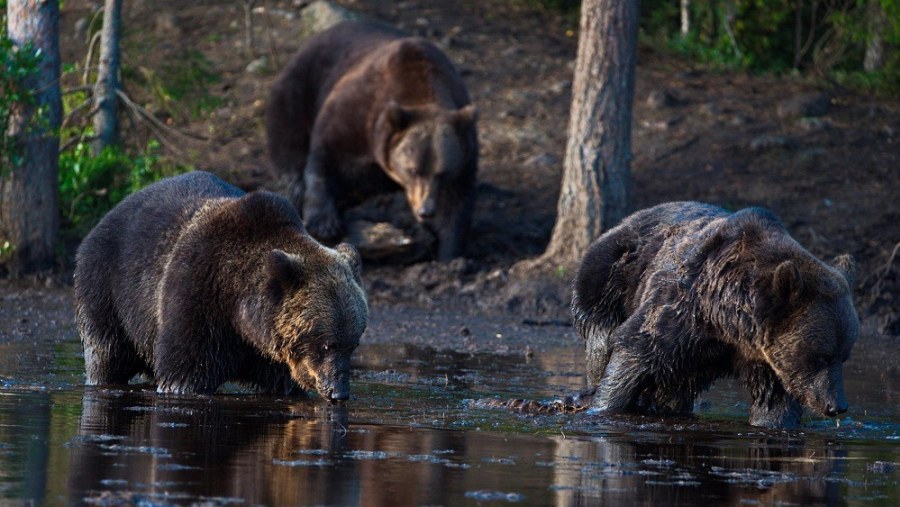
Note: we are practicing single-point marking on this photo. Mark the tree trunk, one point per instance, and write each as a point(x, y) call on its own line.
point(685, 17)
point(875, 51)
point(29, 209)
point(106, 121)
point(595, 185)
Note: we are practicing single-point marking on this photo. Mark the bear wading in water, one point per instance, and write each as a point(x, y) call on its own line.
point(684, 293)
point(194, 283)
point(361, 109)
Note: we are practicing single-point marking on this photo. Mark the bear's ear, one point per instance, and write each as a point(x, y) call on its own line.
point(787, 282)
point(285, 270)
point(398, 116)
point(847, 267)
point(349, 253)
point(466, 115)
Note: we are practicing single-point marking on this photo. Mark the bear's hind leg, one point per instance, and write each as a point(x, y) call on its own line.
point(109, 357)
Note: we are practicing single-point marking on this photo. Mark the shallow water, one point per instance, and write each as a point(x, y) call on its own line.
point(409, 437)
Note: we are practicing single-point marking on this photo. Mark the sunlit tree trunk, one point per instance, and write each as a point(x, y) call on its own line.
point(685, 17)
point(29, 215)
point(106, 120)
point(595, 184)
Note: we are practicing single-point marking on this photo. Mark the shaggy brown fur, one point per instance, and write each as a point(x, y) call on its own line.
point(194, 283)
point(684, 293)
point(360, 110)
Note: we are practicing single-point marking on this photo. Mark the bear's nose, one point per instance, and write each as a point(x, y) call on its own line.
point(833, 410)
point(338, 395)
point(425, 211)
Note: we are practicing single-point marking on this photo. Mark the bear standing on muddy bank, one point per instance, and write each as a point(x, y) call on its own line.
point(681, 294)
point(360, 109)
point(194, 283)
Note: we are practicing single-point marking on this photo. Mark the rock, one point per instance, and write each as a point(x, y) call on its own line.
point(322, 15)
point(258, 67)
point(560, 87)
point(658, 99)
point(811, 104)
point(710, 109)
point(809, 124)
point(382, 242)
point(167, 24)
point(768, 141)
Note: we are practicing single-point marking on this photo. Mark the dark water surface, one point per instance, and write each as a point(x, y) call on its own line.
point(408, 437)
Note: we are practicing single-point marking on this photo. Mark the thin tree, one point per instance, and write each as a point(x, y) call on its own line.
point(29, 210)
point(685, 17)
point(596, 175)
point(106, 120)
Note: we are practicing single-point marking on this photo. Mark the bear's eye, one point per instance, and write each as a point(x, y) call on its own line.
point(330, 347)
point(413, 171)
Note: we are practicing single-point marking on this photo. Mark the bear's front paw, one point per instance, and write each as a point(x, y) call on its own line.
point(324, 226)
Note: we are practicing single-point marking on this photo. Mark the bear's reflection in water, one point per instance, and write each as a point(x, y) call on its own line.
point(137, 446)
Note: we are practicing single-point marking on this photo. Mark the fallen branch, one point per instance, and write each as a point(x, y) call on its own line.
point(155, 122)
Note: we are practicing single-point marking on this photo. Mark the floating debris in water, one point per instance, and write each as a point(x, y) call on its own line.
point(175, 466)
point(501, 461)
point(658, 462)
point(155, 451)
point(319, 452)
point(376, 455)
point(494, 496)
point(303, 462)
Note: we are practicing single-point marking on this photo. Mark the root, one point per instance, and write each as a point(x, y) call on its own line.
point(568, 405)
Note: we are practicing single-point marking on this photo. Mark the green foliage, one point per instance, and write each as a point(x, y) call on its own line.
point(17, 65)
point(89, 186)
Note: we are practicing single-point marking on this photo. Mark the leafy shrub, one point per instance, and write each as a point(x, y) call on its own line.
point(89, 186)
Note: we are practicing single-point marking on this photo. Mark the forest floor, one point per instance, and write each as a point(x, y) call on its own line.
point(825, 159)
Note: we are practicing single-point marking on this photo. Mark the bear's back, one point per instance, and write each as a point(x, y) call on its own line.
point(119, 264)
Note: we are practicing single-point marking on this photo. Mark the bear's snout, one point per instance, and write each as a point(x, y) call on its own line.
point(426, 210)
point(835, 409)
point(828, 392)
point(335, 390)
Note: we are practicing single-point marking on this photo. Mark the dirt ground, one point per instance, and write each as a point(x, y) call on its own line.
point(823, 158)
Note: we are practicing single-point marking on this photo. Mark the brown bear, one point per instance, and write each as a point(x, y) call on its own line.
point(683, 293)
point(361, 109)
point(194, 283)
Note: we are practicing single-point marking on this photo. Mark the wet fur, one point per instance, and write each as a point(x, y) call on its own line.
point(684, 293)
point(194, 283)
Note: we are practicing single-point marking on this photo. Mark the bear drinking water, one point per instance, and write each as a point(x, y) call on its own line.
point(194, 283)
point(684, 293)
point(361, 109)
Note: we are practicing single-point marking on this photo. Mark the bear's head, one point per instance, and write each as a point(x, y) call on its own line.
point(320, 314)
point(427, 147)
point(809, 327)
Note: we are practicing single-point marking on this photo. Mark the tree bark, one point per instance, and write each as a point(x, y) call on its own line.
point(685, 17)
point(595, 185)
point(106, 121)
point(29, 209)
point(875, 52)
